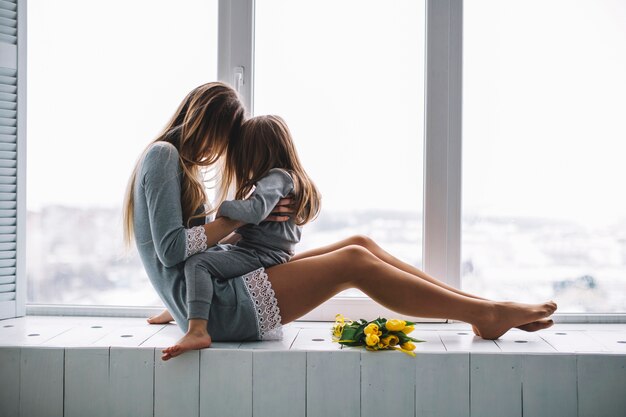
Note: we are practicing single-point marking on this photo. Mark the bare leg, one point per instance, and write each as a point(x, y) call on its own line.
point(197, 337)
point(381, 254)
point(161, 318)
point(303, 284)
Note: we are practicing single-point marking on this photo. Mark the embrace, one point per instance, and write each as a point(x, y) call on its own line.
point(229, 272)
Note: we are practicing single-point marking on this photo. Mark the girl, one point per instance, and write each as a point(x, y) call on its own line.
point(165, 198)
point(263, 157)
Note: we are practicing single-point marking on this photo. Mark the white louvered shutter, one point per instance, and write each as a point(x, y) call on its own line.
point(12, 147)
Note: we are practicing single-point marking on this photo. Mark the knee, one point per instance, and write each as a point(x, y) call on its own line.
point(357, 253)
point(361, 240)
point(190, 266)
point(356, 263)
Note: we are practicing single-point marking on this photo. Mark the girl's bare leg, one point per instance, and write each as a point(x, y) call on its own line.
point(197, 337)
point(303, 284)
point(380, 253)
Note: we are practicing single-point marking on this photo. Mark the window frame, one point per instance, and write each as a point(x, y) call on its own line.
point(442, 157)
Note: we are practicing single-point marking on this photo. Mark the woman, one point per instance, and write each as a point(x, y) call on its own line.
point(164, 213)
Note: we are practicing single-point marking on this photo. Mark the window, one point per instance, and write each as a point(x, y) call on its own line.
point(348, 78)
point(538, 213)
point(544, 215)
point(104, 78)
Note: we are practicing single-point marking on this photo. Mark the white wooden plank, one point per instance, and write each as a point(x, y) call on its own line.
point(332, 384)
point(289, 335)
point(131, 382)
point(466, 341)
point(549, 385)
point(315, 339)
point(28, 333)
point(613, 341)
point(571, 341)
point(432, 342)
point(442, 385)
point(80, 336)
point(387, 383)
point(225, 382)
point(278, 383)
point(177, 385)
point(495, 384)
point(167, 335)
point(523, 342)
point(86, 382)
point(130, 335)
point(10, 381)
point(41, 381)
point(601, 385)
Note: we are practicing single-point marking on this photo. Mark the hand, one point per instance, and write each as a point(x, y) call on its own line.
point(281, 211)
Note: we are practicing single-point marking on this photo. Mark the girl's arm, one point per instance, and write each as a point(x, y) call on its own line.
point(256, 208)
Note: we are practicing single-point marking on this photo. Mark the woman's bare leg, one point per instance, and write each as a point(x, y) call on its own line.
point(303, 284)
point(383, 255)
point(161, 318)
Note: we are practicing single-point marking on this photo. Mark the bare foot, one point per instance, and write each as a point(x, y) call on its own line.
point(528, 327)
point(536, 325)
point(162, 318)
point(190, 341)
point(508, 314)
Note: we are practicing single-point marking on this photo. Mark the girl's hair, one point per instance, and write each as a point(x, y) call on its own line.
point(265, 143)
point(200, 129)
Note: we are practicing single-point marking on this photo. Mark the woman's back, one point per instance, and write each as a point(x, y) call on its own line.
point(156, 212)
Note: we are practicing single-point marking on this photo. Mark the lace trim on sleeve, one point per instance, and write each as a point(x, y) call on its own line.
point(196, 240)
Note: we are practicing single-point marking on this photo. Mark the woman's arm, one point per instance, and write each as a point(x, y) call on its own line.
point(160, 179)
point(261, 203)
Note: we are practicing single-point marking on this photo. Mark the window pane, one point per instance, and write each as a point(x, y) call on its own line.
point(347, 76)
point(544, 213)
point(103, 78)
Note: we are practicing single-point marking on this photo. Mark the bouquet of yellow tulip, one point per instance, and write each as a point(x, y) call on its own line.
point(375, 335)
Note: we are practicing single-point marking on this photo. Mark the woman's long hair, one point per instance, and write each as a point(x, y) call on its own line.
point(201, 129)
point(265, 142)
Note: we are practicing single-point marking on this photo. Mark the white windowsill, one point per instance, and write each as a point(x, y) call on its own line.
point(325, 312)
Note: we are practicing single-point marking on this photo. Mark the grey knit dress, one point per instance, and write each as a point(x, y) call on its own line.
point(243, 308)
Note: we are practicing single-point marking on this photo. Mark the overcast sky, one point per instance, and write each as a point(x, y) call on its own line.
point(543, 112)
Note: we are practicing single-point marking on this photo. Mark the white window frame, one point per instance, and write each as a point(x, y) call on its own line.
point(442, 156)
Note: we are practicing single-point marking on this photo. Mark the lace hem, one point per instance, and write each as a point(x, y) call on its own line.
point(265, 305)
point(196, 240)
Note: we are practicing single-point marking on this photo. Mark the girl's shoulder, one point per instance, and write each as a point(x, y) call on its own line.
point(281, 174)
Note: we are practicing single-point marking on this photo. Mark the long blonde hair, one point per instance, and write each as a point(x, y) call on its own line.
point(265, 142)
point(200, 129)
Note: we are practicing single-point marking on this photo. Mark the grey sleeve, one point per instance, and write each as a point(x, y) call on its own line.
point(160, 176)
point(269, 190)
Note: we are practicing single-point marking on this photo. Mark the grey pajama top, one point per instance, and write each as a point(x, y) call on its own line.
point(164, 244)
point(273, 241)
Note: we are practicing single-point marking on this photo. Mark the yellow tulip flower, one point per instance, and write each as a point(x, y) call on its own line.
point(395, 325)
point(371, 339)
point(408, 329)
point(407, 346)
point(338, 329)
point(371, 328)
point(393, 340)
